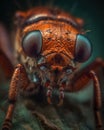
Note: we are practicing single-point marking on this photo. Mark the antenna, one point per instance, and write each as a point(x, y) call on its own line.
point(29, 4)
point(50, 3)
point(74, 6)
point(17, 3)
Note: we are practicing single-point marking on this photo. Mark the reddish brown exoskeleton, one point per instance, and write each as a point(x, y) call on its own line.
point(49, 44)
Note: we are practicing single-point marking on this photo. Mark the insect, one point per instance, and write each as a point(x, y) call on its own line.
point(49, 44)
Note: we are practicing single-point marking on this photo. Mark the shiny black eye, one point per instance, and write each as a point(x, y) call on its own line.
point(32, 43)
point(83, 49)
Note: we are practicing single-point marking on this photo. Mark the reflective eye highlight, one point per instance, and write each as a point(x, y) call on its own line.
point(32, 43)
point(83, 49)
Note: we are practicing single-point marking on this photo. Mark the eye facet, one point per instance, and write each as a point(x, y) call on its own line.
point(32, 43)
point(83, 49)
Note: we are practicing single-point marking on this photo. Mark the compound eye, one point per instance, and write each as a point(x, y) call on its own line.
point(32, 43)
point(83, 49)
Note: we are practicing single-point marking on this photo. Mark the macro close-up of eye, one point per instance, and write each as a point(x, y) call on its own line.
point(83, 48)
point(32, 43)
point(51, 65)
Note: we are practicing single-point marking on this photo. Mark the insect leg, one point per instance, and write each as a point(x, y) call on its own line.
point(81, 78)
point(49, 94)
point(61, 96)
point(19, 79)
point(97, 99)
